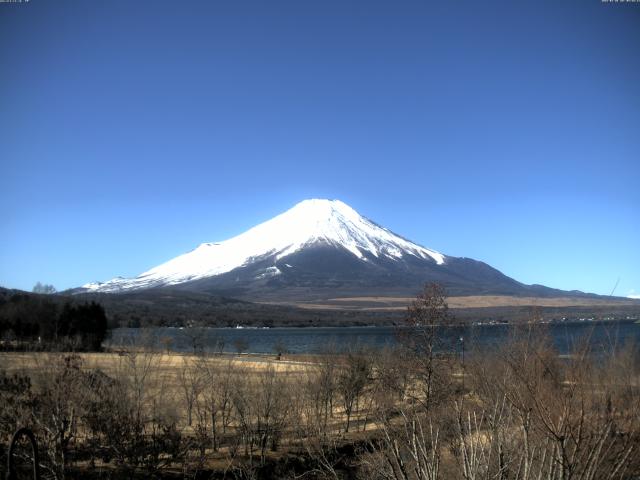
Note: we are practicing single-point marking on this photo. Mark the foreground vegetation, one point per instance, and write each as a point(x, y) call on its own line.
point(518, 413)
point(415, 412)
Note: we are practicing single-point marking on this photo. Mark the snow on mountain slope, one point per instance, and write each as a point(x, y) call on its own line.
point(309, 222)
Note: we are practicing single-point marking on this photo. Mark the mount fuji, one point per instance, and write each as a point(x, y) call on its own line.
point(320, 249)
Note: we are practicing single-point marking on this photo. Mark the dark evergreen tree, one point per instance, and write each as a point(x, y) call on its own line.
point(86, 323)
point(38, 321)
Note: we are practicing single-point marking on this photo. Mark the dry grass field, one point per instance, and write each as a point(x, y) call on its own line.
point(463, 302)
point(169, 363)
point(475, 301)
point(385, 414)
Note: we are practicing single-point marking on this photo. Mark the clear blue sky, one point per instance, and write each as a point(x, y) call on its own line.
point(509, 132)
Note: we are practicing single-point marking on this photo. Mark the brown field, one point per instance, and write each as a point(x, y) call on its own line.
point(167, 379)
point(472, 301)
point(168, 363)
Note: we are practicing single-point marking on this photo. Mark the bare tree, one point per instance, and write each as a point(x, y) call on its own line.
point(241, 345)
point(196, 336)
point(191, 384)
point(63, 397)
point(273, 402)
point(542, 417)
point(320, 387)
point(214, 403)
point(353, 377)
point(427, 314)
point(44, 288)
point(280, 348)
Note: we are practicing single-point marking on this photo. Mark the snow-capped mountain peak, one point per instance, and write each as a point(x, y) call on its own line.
point(310, 222)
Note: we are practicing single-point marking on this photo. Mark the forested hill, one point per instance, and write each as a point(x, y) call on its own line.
point(177, 308)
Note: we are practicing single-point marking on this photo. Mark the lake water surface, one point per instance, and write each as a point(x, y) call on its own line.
point(600, 334)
